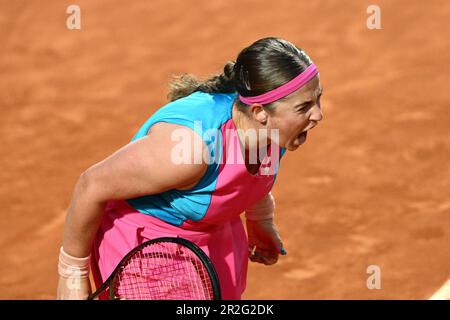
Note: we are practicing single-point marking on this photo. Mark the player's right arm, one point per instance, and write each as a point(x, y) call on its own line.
point(142, 167)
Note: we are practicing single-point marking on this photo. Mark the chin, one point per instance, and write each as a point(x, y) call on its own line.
point(292, 148)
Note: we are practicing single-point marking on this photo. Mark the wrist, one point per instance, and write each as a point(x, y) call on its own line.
point(70, 266)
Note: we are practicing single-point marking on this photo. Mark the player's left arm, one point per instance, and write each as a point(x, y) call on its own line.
point(264, 240)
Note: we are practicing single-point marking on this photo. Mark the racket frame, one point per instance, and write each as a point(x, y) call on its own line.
point(204, 259)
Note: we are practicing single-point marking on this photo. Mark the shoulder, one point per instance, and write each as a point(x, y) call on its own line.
point(173, 138)
point(201, 112)
point(178, 149)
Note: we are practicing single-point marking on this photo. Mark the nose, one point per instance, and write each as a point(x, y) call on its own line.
point(316, 113)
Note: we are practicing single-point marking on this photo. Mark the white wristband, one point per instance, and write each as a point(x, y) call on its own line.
point(262, 210)
point(70, 267)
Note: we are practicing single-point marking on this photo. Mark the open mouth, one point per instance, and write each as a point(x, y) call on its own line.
point(302, 136)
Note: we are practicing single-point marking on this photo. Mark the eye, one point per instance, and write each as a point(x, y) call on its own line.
point(318, 98)
point(303, 108)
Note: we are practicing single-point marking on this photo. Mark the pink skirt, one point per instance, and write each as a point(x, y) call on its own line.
point(124, 228)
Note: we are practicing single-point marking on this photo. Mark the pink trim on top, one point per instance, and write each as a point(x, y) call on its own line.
point(284, 90)
point(236, 188)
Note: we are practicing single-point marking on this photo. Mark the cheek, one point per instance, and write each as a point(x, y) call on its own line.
point(296, 123)
point(287, 131)
point(289, 126)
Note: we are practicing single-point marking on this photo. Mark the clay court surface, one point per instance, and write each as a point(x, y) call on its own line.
point(371, 186)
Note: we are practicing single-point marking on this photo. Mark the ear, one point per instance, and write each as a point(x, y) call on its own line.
point(258, 113)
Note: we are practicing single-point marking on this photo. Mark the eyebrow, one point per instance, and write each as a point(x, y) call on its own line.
point(304, 103)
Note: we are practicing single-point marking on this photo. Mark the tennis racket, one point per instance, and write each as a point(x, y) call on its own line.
point(163, 269)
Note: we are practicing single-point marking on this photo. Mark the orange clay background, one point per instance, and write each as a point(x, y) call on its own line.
point(370, 187)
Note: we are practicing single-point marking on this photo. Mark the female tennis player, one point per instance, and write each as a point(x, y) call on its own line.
point(152, 188)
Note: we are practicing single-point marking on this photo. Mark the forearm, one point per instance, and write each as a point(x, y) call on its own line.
point(83, 219)
point(262, 210)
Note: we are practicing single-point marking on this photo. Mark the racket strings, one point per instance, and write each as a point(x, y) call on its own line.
point(163, 271)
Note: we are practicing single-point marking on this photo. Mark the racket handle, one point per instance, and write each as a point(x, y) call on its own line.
point(99, 291)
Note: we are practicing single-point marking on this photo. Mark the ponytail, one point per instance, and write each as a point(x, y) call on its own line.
point(184, 85)
point(265, 65)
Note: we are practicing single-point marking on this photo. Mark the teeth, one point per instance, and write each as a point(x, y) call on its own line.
point(309, 128)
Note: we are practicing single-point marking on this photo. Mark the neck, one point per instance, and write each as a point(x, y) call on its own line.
point(243, 123)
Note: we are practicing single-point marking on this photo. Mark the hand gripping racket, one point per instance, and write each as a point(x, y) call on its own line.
point(163, 269)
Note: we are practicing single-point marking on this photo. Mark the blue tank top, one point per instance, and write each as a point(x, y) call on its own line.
point(222, 192)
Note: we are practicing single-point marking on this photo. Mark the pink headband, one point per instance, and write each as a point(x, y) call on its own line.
point(284, 90)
